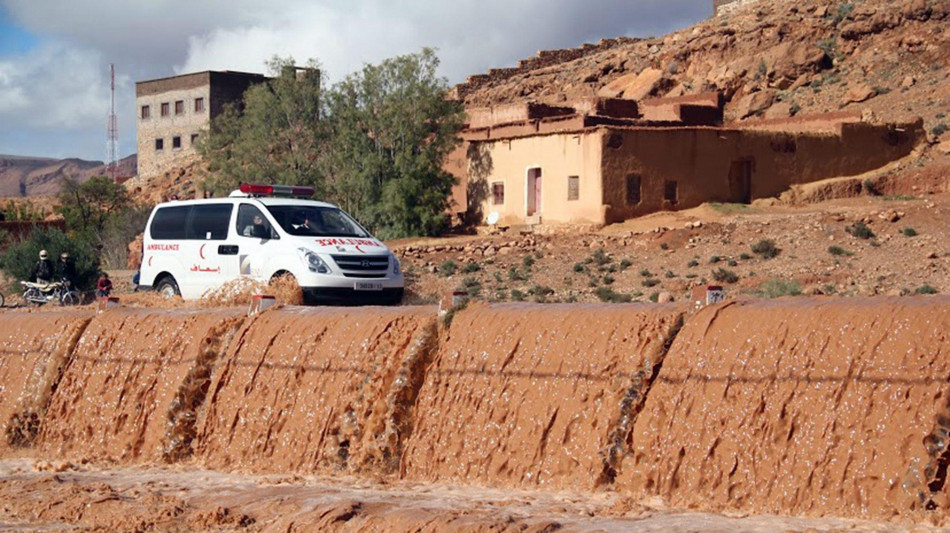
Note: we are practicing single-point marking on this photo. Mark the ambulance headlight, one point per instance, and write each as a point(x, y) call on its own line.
point(313, 261)
point(395, 264)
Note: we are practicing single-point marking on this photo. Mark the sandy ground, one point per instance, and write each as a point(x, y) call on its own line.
point(37, 497)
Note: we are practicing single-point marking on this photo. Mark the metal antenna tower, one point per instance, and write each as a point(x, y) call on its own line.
point(112, 130)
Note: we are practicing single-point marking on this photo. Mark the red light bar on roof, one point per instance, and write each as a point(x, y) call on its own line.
point(259, 189)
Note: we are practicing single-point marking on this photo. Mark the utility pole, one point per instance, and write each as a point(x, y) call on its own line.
point(112, 130)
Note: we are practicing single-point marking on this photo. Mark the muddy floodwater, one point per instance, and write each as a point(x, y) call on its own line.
point(788, 415)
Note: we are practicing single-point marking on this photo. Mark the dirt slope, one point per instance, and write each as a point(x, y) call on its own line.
point(770, 60)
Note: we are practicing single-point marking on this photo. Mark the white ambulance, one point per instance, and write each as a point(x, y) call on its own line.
point(263, 232)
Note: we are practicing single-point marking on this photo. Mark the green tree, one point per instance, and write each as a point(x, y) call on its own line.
point(374, 143)
point(88, 207)
point(276, 138)
point(391, 127)
point(18, 260)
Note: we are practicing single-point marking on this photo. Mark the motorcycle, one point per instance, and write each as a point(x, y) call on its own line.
point(41, 293)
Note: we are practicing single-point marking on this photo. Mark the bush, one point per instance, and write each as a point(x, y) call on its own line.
point(607, 294)
point(939, 129)
point(692, 262)
point(744, 256)
point(471, 267)
point(837, 250)
point(625, 264)
point(527, 261)
point(447, 268)
point(608, 280)
point(860, 230)
point(646, 273)
point(715, 259)
point(909, 232)
point(600, 257)
point(765, 248)
point(514, 275)
point(724, 275)
point(664, 246)
point(517, 295)
point(670, 274)
point(578, 267)
point(775, 288)
point(541, 292)
point(651, 282)
point(19, 259)
point(925, 289)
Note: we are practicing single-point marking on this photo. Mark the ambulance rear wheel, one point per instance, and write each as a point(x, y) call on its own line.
point(167, 287)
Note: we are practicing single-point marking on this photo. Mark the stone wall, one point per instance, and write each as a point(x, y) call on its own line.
point(544, 58)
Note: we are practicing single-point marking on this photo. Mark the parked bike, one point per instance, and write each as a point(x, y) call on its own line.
point(41, 293)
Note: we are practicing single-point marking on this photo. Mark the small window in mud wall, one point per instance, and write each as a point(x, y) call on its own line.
point(176, 141)
point(146, 112)
point(497, 193)
point(573, 188)
point(669, 191)
point(633, 189)
point(180, 107)
point(159, 144)
point(194, 139)
point(165, 109)
point(199, 105)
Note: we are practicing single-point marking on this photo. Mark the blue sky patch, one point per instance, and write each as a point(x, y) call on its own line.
point(13, 38)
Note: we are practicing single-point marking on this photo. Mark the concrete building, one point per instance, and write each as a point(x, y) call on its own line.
point(173, 112)
point(607, 160)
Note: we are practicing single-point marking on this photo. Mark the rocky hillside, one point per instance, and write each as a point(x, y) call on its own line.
point(770, 59)
point(35, 176)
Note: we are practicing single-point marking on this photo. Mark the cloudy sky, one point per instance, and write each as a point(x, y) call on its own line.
point(55, 54)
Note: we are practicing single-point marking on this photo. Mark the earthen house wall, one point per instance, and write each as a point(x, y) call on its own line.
point(706, 163)
point(675, 167)
point(558, 156)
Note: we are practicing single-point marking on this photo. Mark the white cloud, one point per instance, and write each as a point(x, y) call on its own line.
point(53, 86)
point(471, 36)
point(62, 84)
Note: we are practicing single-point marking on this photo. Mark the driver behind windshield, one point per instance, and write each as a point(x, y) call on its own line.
point(322, 221)
point(303, 225)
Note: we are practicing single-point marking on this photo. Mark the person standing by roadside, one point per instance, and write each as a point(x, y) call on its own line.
point(67, 269)
point(43, 269)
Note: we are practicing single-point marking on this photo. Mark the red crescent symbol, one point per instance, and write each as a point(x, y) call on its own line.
point(150, 260)
point(359, 250)
point(201, 251)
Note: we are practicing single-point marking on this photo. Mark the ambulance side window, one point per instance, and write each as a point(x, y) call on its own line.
point(169, 223)
point(252, 223)
point(210, 222)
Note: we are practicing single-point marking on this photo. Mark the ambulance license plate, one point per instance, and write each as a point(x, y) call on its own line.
point(367, 286)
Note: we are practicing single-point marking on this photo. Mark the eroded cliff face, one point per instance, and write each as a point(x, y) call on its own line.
point(800, 407)
point(526, 395)
point(808, 406)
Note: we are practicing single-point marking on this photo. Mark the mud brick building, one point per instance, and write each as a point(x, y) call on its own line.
point(605, 160)
point(173, 112)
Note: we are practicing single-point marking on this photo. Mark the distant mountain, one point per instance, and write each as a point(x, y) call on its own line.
point(22, 176)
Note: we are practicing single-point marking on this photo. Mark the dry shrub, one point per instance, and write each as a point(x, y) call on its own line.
point(240, 291)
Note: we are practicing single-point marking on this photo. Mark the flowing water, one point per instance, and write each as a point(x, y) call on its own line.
point(820, 407)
